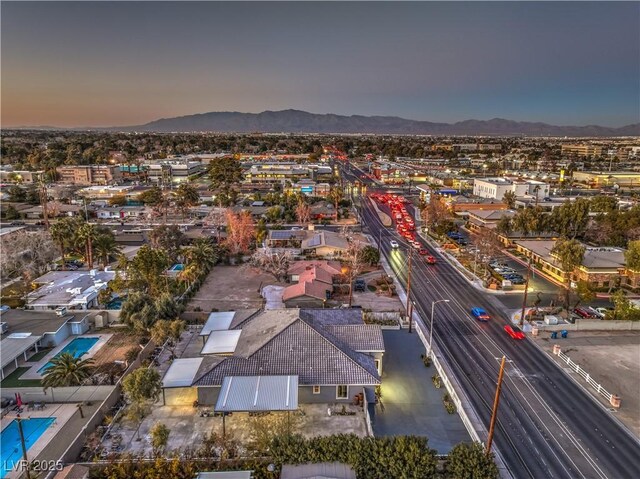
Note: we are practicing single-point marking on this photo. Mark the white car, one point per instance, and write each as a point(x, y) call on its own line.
point(394, 244)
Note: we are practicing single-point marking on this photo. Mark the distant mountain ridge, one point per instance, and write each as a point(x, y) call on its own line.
point(296, 121)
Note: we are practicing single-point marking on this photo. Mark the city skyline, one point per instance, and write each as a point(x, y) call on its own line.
point(117, 64)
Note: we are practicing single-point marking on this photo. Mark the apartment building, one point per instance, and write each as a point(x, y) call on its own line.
point(608, 178)
point(582, 150)
point(269, 174)
point(89, 174)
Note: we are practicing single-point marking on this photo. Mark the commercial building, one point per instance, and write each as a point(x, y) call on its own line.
point(602, 267)
point(7, 174)
point(582, 150)
point(171, 171)
point(496, 188)
point(627, 179)
point(89, 174)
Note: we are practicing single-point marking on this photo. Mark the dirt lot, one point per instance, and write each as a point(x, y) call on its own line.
point(116, 348)
point(613, 359)
point(231, 287)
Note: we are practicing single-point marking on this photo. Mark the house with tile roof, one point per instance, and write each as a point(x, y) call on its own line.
point(314, 286)
point(332, 354)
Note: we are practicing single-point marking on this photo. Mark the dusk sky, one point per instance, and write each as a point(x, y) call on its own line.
point(117, 63)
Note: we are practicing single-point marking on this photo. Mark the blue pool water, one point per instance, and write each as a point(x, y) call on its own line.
point(78, 347)
point(10, 440)
point(177, 267)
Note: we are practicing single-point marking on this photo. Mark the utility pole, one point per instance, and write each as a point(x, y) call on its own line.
point(24, 447)
point(496, 402)
point(409, 311)
point(379, 240)
point(43, 200)
point(526, 291)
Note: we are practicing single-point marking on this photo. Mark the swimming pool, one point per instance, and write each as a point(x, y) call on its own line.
point(10, 440)
point(78, 347)
point(177, 267)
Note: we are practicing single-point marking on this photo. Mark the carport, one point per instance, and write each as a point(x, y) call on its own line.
point(13, 346)
point(252, 394)
point(176, 384)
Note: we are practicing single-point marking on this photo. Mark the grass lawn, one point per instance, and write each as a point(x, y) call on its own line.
point(39, 355)
point(12, 381)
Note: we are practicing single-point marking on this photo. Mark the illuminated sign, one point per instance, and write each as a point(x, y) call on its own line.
point(307, 189)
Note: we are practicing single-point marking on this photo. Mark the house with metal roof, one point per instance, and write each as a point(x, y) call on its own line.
point(285, 357)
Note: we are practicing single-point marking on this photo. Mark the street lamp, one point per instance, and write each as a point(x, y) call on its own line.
point(433, 305)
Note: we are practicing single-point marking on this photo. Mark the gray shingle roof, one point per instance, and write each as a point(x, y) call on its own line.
point(303, 348)
point(328, 317)
point(359, 337)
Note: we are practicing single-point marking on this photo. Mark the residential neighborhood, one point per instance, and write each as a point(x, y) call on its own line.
point(320, 240)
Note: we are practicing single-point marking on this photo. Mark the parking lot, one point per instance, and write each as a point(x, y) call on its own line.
point(612, 359)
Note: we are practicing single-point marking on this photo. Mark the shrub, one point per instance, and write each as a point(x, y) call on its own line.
point(470, 460)
point(437, 382)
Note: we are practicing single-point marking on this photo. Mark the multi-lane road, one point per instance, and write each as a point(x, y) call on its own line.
point(548, 426)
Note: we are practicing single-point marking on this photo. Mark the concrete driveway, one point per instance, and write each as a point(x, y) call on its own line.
point(412, 405)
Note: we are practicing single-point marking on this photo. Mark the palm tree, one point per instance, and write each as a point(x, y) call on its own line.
point(67, 370)
point(62, 233)
point(202, 253)
point(88, 232)
point(105, 245)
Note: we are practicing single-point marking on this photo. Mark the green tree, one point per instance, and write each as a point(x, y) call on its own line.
point(224, 175)
point(370, 255)
point(603, 204)
point(118, 200)
point(570, 254)
point(504, 225)
point(87, 232)
point(203, 254)
point(168, 331)
point(509, 199)
point(11, 213)
point(105, 246)
point(62, 232)
point(157, 199)
point(632, 256)
point(159, 437)
point(142, 388)
point(67, 370)
point(186, 197)
point(168, 238)
point(335, 196)
point(469, 461)
point(623, 308)
point(17, 194)
point(147, 270)
point(138, 311)
point(571, 219)
point(585, 292)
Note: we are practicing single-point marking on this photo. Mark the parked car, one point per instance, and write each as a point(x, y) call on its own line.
point(359, 285)
point(514, 331)
point(595, 313)
point(480, 314)
point(583, 313)
point(394, 244)
point(603, 311)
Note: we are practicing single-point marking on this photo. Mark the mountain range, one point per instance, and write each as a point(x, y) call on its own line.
point(296, 121)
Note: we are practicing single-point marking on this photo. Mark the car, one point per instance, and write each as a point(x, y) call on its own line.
point(430, 260)
point(394, 244)
point(603, 311)
point(595, 313)
point(583, 313)
point(480, 314)
point(514, 331)
point(416, 245)
point(4, 308)
point(359, 285)
point(423, 251)
point(518, 281)
point(454, 235)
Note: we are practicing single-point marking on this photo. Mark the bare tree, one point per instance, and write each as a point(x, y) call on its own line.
point(240, 231)
point(272, 262)
point(355, 262)
point(27, 253)
point(303, 212)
